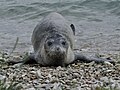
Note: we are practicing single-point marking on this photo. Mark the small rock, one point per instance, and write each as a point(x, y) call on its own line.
point(74, 80)
point(2, 77)
point(31, 89)
point(57, 86)
point(49, 75)
point(105, 80)
point(38, 74)
point(76, 75)
point(47, 81)
point(59, 68)
point(32, 72)
point(108, 63)
point(77, 88)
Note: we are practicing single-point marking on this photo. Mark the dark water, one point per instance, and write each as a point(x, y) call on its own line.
point(97, 22)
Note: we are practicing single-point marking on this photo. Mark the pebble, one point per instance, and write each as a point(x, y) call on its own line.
point(2, 77)
point(57, 86)
point(31, 89)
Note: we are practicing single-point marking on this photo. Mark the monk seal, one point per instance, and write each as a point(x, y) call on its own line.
point(53, 43)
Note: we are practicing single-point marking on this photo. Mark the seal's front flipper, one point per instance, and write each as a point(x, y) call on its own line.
point(86, 59)
point(28, 59)
point(11, 62)
point(73, 28)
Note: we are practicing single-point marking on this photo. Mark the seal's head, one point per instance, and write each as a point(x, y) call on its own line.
point(56, 47)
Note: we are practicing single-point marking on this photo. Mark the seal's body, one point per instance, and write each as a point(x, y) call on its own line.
point(53, 41)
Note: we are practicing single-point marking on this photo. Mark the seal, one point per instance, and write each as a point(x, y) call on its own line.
point(53, 43)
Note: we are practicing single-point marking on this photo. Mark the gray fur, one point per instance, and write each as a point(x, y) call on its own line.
point(53, 24)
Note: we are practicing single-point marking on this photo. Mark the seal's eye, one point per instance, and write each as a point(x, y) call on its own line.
point(63, 43)
point(49, 43)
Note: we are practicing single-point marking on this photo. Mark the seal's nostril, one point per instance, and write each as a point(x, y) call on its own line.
point(49, 43)
point(58, 48)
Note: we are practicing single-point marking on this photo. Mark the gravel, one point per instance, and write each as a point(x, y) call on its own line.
point(77, 76)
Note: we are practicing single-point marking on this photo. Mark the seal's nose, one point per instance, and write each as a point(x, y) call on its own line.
point(57, 49)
